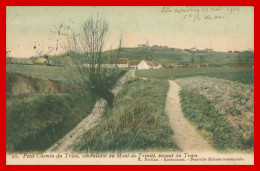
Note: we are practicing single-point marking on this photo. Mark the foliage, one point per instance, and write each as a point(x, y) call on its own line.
point(136, 123)
point(87, 45)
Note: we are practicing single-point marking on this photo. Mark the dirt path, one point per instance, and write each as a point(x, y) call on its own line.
point(67, 143)
point(186, 137)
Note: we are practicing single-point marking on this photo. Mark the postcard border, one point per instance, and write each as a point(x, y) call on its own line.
point(5, 3)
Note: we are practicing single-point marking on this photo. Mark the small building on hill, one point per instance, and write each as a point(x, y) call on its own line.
point(204, 66)
point(209, 50)
point(41, 61)
point(244, 65)
point(187, 66)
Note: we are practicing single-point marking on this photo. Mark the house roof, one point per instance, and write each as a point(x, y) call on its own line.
point(118, 61)
point(133, 63)
point(164, 66)
point(150, 63)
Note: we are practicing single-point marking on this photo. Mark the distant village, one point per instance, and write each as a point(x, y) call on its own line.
point(134, 65)
point(160, 47)
point(194, 49)
point(143, 64)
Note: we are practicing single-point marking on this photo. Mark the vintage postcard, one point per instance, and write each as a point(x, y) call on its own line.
point(161, 85)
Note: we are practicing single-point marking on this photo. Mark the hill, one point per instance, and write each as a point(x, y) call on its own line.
point(168, 56)
point(178, 57)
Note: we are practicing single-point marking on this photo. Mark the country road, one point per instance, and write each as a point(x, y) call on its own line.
point(185, 135)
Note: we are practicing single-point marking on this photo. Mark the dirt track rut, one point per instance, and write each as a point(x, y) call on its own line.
point(185, 135)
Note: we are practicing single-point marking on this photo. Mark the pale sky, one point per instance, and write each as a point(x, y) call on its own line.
point(179, 27)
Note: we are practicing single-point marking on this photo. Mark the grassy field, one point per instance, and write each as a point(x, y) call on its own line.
point(242, 75)
point(35, 123)
point(137, 122)
point(57, 73)
point(212, 125)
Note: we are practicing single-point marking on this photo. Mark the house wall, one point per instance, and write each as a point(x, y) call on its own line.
point(118, 65)
point(159, 67)
point(133, 67)
point(143, 65)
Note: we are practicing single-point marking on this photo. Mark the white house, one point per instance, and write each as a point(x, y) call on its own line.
point(146, 65)
point(143, 65)
point(159, 66)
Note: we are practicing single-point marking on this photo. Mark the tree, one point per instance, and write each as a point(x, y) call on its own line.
point(8, 58)
point(33, 59)
point(46, 56)
point(192, 58)
point(87, 47)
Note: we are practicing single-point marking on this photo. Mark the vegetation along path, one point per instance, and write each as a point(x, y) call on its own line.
point(185, 135)
point(67, 143)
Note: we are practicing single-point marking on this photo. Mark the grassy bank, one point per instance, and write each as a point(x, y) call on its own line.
point(37, 122)
point(57, 73)
point(242, 75)
point(137, 122)
point(48, 110)
point(212, 125)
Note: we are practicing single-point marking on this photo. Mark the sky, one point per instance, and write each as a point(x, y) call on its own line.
point(219, 28)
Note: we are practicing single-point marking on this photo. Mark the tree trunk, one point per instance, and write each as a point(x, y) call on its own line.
point(107, 95)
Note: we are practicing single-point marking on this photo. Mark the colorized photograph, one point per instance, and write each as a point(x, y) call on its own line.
point(167, 85)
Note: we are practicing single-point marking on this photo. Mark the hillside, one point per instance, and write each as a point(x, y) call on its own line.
point(175, 57)
point(168, 56)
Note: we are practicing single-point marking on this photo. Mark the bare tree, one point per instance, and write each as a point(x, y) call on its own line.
point(33, 59)
point(192, 58)
point(94, 68)
point(8, 58)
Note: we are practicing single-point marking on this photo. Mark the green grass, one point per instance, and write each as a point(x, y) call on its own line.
point(242, 75)
point(212, 125)
point(15, 60)
point(57, 73)
point(137, 122)
point(37, 122)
